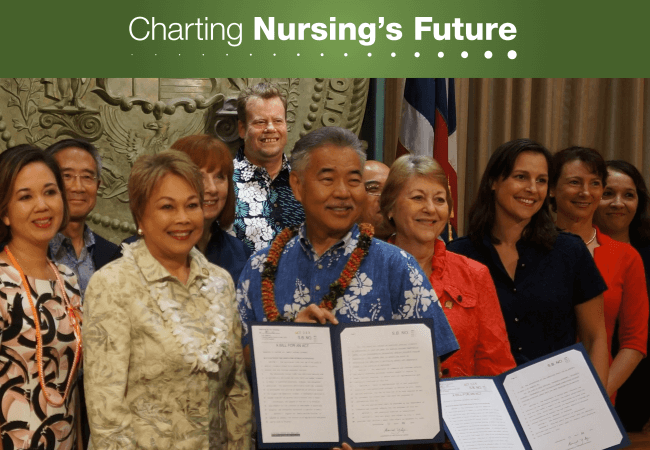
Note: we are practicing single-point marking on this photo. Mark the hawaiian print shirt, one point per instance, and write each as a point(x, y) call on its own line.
point(264, 207)
point(388, 285)
point(62, 252)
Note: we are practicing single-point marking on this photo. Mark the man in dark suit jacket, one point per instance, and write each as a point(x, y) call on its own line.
point(104, 252)
point(76, 245)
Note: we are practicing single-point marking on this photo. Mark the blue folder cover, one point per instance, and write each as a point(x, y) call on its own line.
point(335, 334)
point(499, 381)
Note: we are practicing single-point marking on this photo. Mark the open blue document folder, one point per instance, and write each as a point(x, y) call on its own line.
point(553, 403)
point(366, 384)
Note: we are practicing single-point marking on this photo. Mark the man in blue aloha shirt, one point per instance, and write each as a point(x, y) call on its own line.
point(265, 204)
point(387, 284)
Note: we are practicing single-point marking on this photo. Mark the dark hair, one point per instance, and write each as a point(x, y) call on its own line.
point(589, 156)
point(640, 225)
point(261, 90)
point(210, 153)
point(541, 230)
point(337, 136)
point(77, 143)
point(12, 161)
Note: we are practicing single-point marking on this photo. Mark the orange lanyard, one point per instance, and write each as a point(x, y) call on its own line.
point(75, 322)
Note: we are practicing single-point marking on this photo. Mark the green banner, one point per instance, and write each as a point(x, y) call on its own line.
point(355, 38)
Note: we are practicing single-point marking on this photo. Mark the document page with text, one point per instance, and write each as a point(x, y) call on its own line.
point(560, 406)
point(476, 415)
point(390, 384)
point(295, 382)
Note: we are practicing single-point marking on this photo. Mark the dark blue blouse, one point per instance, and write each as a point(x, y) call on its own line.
point(539, 304)
point(227, 251)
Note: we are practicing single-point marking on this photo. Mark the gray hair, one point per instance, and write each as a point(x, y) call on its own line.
point(337, 136)
point(261, 90)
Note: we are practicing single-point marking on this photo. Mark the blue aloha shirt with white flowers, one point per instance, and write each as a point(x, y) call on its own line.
point(389, 285)
point(264, 207)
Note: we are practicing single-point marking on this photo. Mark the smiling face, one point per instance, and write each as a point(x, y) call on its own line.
point(79, 172)
point(330, 190)
point(618, 204)
point(265, 130)
point(578, 191)
point(35, 211)
point(215, 185)
point(520, 195)
point(421, 210)
point(172, 221)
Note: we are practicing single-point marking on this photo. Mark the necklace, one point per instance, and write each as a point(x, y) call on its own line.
point(592, 238)
point(74, 316)
point(202, 350)
point(337, 288)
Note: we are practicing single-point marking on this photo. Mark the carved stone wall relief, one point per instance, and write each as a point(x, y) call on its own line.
point(128, 117)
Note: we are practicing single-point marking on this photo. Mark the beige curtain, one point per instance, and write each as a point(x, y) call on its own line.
point(610, 115)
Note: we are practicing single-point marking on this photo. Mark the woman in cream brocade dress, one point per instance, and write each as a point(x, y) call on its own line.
point(144, 389)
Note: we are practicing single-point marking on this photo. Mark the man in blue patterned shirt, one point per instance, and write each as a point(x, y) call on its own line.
point(265, 204)
point(387, 284)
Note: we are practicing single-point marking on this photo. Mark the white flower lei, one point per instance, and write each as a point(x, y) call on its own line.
point(201, 351)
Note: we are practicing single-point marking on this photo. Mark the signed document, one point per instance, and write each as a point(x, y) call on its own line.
point(390, 394)
point(366, 384)
point(555, 402)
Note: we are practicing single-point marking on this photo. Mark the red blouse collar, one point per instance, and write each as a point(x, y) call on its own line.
point(439, 260)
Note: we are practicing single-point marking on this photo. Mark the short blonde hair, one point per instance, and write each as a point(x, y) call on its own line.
point(147, 172)
point(402, 170)
point(264, 91)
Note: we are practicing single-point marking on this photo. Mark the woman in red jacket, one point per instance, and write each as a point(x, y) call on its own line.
point(624, 215)
point(416, 201)
point(576, 188)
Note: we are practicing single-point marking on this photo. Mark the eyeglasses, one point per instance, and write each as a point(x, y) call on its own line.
point(85, 179)
point(374, 188)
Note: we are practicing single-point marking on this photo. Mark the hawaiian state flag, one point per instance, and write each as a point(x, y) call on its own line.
point(429, 126)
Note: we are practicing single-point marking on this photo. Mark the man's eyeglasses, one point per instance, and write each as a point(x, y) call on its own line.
point(85, 179)
point(373, 188)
